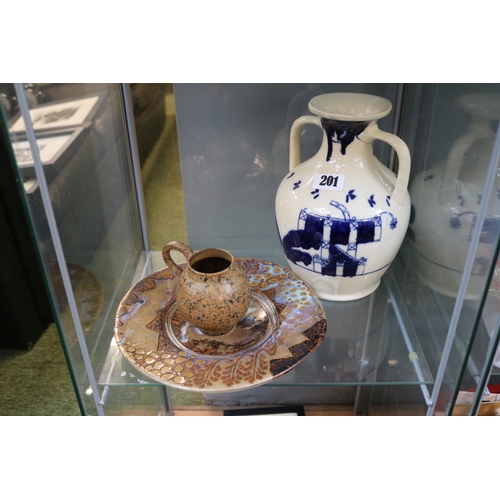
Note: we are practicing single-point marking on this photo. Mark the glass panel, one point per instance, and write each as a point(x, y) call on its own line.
point(454, 229)
point(92, 216)
point(155, 124)
point(232, 157)
point(480, 368)
point(234, 150)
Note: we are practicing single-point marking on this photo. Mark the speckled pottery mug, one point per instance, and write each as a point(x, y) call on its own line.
point(212, 292)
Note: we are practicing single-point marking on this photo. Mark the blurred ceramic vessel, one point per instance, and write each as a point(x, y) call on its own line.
point(446, 198)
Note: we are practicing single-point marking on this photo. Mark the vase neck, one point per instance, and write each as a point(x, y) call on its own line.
point(339, 136)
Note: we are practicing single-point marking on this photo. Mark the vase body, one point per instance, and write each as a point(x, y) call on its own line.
point(342, 215)
point(446, 197)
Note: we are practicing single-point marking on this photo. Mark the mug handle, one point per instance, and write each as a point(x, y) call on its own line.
point(372, 133)
point(295, 158)
point(180, 247)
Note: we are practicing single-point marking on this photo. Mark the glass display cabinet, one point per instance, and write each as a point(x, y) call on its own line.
point(426, 340)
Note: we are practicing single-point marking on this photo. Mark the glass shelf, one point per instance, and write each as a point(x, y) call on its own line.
point(369, 342)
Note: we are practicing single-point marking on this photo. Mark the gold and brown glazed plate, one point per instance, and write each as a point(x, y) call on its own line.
point(284, 324)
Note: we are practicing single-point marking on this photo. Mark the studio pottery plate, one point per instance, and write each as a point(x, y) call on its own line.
point(284, 324)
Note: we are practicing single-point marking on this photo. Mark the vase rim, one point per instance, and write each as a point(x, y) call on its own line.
point(484, 105)
point(350, 106)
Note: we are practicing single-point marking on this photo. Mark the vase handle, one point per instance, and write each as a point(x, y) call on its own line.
point(447, 190)
point(372, 133)
point(295, 158)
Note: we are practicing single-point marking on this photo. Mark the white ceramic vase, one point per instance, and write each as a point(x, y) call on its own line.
point(445, 199)
point(342, 215)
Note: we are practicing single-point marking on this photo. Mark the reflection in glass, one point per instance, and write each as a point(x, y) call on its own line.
point(445, 200)
point(87, 182)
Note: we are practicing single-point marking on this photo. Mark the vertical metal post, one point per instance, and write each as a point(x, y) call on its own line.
point(136, 164)
point(168, 401)
point(360, 390)
point(397, 123)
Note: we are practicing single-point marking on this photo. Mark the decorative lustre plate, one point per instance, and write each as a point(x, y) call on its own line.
point(284, 324)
